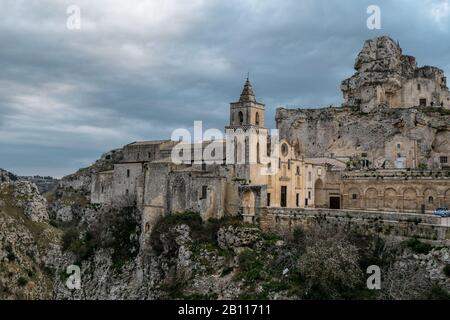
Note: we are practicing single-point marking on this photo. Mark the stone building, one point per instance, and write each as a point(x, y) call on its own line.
point(335, 158)
point(238, 182)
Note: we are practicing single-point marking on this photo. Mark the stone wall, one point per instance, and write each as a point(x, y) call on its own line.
point(284, 221)
point(396, 190)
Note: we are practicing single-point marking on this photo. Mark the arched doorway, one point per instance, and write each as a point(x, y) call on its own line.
point(354, 200)
point(248, 203)
point(410, 200)
point(371, 199)
point(319, 194)
point(390, 199)
point(447, 199)
point(178, 203)
point(430, 199)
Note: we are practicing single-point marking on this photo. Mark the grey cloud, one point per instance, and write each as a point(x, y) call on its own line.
point(138, 75)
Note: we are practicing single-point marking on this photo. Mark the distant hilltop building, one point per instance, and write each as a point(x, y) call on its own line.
point(394, 159)
point(384, 76)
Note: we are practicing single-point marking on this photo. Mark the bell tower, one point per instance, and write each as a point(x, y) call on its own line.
point(247, 112)
point(247, 130)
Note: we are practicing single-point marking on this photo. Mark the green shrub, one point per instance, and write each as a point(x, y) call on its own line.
point(116, 230)
point(10, 253)
point(124, 239)
point(251, 266)
point(22, 282)
point(200, 232)
point(418, 246)
point(436, 292)
point(299, 235)
point(447, 270)
point(69, 237)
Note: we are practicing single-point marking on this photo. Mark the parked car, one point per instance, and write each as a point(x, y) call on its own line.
point(442, 212)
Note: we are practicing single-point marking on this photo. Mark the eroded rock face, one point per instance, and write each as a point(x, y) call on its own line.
point(344, 132)
point(236, 238)
point(25, 195)
point(6, 176)
point(385, 76)
point(29, 198)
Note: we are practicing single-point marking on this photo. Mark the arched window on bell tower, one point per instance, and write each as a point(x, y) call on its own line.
point(258, 159)
point(257, 118)
point(241, 118)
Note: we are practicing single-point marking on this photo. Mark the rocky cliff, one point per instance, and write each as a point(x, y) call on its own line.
point(25, 238)
point(385, 76)
point(346, 132)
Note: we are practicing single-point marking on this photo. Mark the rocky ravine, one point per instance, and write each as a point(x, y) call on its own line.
point(25, 237)
point(185, 258)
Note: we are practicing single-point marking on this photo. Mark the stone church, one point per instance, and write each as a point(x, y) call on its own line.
point(148, 175)
point(240, 180)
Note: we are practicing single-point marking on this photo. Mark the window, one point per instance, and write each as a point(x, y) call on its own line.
point(289, 164)
point(297, 200)
point(257, 119)
point(258, 160)
point(418, 86)
point(283, 200)
point(268, 199)
point(149, 155)
point(204, 192)
point(128, 173)
point(241, 117)
point(423, 102)
point(298, 170)
point(309, 194)
point(354, 196)
point(284, 149)
point(319, 171)
point(430, 200)
point(398, 145)
point(103, 189)
point(443, 159)
point(138, 156)
point(127, 192)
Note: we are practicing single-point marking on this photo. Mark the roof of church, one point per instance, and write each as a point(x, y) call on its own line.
point(247, 94)
point(150, 142)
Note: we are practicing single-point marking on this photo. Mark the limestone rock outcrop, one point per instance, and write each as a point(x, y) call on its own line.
point(237, 238)
point(416, 134)
point(6, 176)
point(385, 76)
point(24, 195)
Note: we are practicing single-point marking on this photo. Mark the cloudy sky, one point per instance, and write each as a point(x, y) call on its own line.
point(138, 69)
